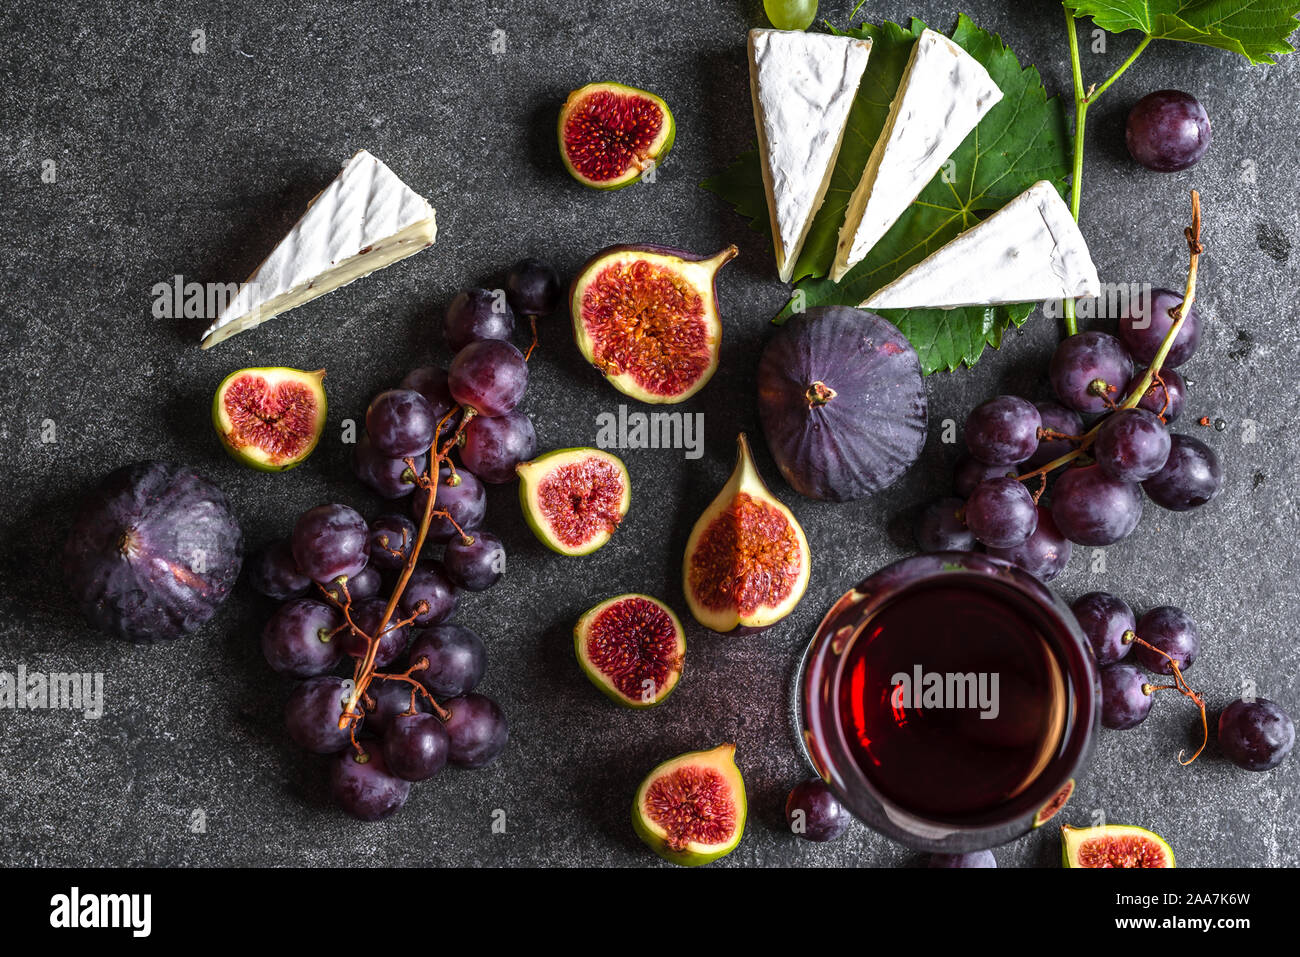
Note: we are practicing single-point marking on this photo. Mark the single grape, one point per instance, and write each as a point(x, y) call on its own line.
point(431, 382)
point(364, 584)
point(1143, 328)
point(299, 640)
point(1057, 418)
point(392, 539)
point(1131, 445)
point(790, 14)
point(429, 583)
point(971, 859)
point(1001, 512)
point(478, 731)
point(386, 476)
point(940, 527)
point(1256, 735)
point(1172, 631)
point(273, 572)
point(312, 714)
point(1088, 369)
point(329, 541)
point(1123, 702)
point(1091, 508)
point(465, 502)
point(489, 376)
point(1044, 554)
point(493, 447)
point(1003, 430)
point(970, 471)
point(533, 288)
point(457, 659)
point(1165, 398)
point(814, 813)
point(1105, 619)
point(388, 699)
point(1167, 131)
point(416, 746)
point(366, 615)
point(1190, 478)
point(476, 315)
point(400, 422)
point(476, 564)
point(363, 786)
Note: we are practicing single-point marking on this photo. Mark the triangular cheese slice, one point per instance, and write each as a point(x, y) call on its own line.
point(364, 220)
point(943, 95)
point(1030, 250)
point(803, 85)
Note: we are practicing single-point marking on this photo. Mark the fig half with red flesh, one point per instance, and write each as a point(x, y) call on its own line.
point(1114, 845)
point(691, 809)
point(610, 134)
point(647, 318)
point(632, 647)
point(842, 403)
point(270, 418)
point(747, 561)
point(574, 499)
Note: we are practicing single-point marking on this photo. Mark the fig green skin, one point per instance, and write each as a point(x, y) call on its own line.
point(310, 379)
point(594, 675)
point(722, 758)
point(1108, 831)
point(537, 522)
point(633, 174)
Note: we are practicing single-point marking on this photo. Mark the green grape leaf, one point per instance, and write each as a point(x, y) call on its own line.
point(1020, 141)
point(1257, 29)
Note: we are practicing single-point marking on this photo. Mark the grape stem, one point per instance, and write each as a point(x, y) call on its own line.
point(1195, 248)
point(1180, 685)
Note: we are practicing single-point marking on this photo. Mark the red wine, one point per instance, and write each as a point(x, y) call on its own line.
point(951, 700)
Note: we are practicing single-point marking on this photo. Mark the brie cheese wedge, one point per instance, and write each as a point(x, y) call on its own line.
point(802, 85)
point(1029, 250)
point(943, 95)
point(364, 220)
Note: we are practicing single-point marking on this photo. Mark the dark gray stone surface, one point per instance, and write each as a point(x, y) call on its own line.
point(170, 161)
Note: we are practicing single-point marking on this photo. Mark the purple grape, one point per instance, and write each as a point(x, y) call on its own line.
point(1091, 508)
point(363, 584)
point(392, 539)
point(1001, 512)
point(493, 447)
point(1131, 445)
point(814, 813)
point(299, 640)
point(1167, 131)
point(330, 541)
point(416, 746)
point(385, 476)
point(478, 731)
point(1143, 329)
point(489, 376)
point(475, 565)
point(1057, 418)
point(1123, 702)
point(1172, 631)
point(972, 859)
point(533, 288)
point(475, 315)
point(366, 615)
point(1105, 619)
point(313, 711)
point(1089, 368)
point(1044, 554)
point(431, 382)
point(274, 573)
point(1190, 478)
point(465, 502)
point(363, 786)
point(429, 583)
point(940, 527)
point(970, 471)
point(457, 659)
point(400, 422)
point(1256, 735)
point(388, 699)
point(1003, 430)
point(1164, 398)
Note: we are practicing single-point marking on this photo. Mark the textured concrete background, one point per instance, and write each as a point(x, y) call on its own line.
point(170, 161)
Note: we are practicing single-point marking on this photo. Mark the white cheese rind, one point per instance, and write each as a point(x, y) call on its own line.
point(943, 95)
point(364, 220)
point(802, 86)
point(1030, 250)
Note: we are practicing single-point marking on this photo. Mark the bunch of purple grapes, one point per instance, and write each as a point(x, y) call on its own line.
point(1098, 500)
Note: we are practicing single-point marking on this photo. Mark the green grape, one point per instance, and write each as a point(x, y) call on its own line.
point(791, 14)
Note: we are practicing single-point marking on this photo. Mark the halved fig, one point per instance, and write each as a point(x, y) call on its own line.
point(747, 561)
point(691, 810)
point(1114, 845)
point(610, 134)
point(647, 318)
point(574, 499)
point(632, 647)
point(270, 418)
point(1053, 807)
